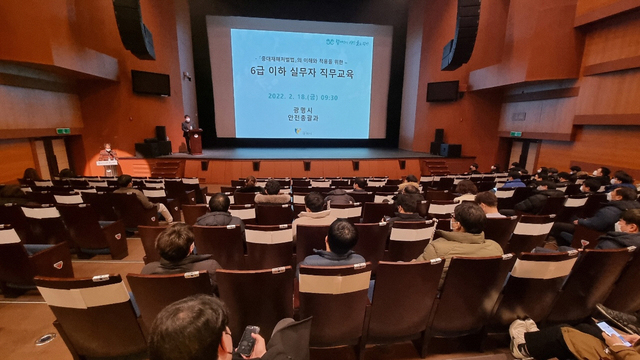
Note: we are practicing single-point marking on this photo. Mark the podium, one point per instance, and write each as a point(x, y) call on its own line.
point(195, 141)
point(110, 167)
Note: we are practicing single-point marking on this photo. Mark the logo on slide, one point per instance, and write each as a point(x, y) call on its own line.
point(298, 130)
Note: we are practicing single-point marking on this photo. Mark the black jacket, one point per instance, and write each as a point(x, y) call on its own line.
point(618, 240)
point(534, 204)
point(606, 218)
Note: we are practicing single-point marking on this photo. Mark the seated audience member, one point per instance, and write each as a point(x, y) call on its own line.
point(581, 175)
point(314, 213)
point(564, 177)
point(13, 194)
point(407, 205)
point(602, 175)
point(342, 237)
point(537, 179)
point(175, 246)
point(621, 179)
point(489, 204)
point(627, 232)
point(66, 173)
point(534, 203)
point(514, 180)
point(582, 341)
point(473, 169)
point(126, 186)
point(553, 174)
point(574, 170)
point(272, 196)
point(542, 170)
point(338, 196)
point(410, 180)
point(495, 168)
point(359, 185)
point(515, 166)
point(250, 186)
point(196, 328)
point(467, 190)
point(604, 220)
point(31, 174)
point(590, 186)
point(466, 239)
point(410, 189)
point(220, 215)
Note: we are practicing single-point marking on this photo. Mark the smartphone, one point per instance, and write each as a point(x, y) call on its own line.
point(611, 332)
point(247, 342)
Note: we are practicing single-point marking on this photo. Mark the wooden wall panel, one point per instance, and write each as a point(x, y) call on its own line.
point(613, 39)
point(611, 93)
point(16, 156)
point(590, 11)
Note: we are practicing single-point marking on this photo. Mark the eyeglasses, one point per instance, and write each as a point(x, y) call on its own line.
point(227, 331)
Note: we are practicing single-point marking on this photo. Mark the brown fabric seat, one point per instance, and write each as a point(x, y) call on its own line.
point(409, 238)
point(12, 214)
point(191, 213)
point(129, 209)
point(530, 232)
point(179, 191)
point(267, 214)
point(336, 297)
point(152, 293)
point(246, 212)
point(591, 280)
point(363, 197)
point(309, 237)
point(372, 241)
point(94, 316)
point(88, 234)
point(223, 243)
point(46, 225)
point(101, 204)
point(470, 291)
point(594, 203)
point(572, 208)
point(148, 235)
point(160, 196)
point(626, 294)
point(553, 205)
point(438, 195)
point(256, 297)
point(351, 212)
point(269, 246)
point(403, 298)
point(240, 198)
point(19, 268)
point(585, 238)
point(500, 229)
point(532, 287)
point(373, 212)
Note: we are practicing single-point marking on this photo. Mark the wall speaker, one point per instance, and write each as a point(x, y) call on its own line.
point(458, 51)
point(147, 150)
point(439, 136)
point(403, 164)
point(451, 150)
point(164, 147)
point(256, 165)
point(435, 148)
point(161, 133)
point(134, 34)
point(356, 165)
point(307, 165)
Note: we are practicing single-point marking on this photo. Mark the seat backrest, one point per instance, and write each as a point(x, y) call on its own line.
point(363, 197)
point(384, 197)
point(530, 232)
point(372, 240)
point(148, 235)
point(83, 226)
point(191, 213)
point(553, 205)
point(223, 243)
point(246, 212)
point(94, 316)
point(373, 212)
point(533, 285)
point(625, 296)
point(268, 214)
point(152, 291)
point(68, 199)
point(101, 204)
point(585, 238)
point(438, 195)
point(403, 297)
point(271, 288)
point(346, 211)
point(572, 208)
point(442, 207)
point(309, 237)
point(589, 283)
point(12, 214)
point(336, 297)
point(46, 225)
point(409, 238)
point(594, 203)
point(500, 229)
point(130, 209)
point(269, 246)
point(14, 259)
point(241, 198)
point(470, 291)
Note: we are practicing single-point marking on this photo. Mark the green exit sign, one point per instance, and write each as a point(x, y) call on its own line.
point(62, 131)
point(516, 133)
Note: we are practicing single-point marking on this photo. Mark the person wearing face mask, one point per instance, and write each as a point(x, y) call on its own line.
point(534, 203)
point(186, 126)
point(602, 175)
point(495, 168)
point(590, 186)
point(465, 239)
point(473, 169)
point(604, 220)
point(627, 232)
point(109, 154)
point(621, 179)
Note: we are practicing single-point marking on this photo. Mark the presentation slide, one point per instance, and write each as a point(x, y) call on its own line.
point(286, 79)
point(306, 85)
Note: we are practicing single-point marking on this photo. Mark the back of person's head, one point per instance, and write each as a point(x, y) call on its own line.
point(605, 171)
point(471, 216)
point(12, 191)
point(544, 176)
point(514, 174)
point(272, 187)
point(623, 177)
point(31, 174)
point(124, 180)
point(466, 187)
point(592, 184)
point(67, 173)
point(626, 193)
point(488, 198)
point(314, 202)
point(631, 216)
point(474, 165)
point(189, 329)
point(564, 175)
point(174, 243)
point(412, 178)
point(575, 168)
point(496, 167)
point(219, 202)
point(515, 164)
point(408, 202)
point(543, 169)
point(250, 181)
point(342, 236)
point(410, 189)
point(549, 184)
point(361, 182)
point(553, 171)
point(524, 171)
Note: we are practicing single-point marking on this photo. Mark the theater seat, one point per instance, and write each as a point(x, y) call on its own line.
point(500, 229)
point(191, 213)
point(530, 232)
point(224, 243)
point(129, 209)
point(148, 235)
point(269, 246)
point(409, 238)
point(372, 240)
point(272, 214)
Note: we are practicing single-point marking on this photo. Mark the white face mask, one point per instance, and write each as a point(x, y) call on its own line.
point(595, 172)
point(582, 189)
point(608, 196)
point(539, 171)
point(541, 188)
point(617, 227)
point(613, 181)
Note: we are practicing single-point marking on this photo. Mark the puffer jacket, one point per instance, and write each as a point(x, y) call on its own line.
point(534, 204)
point(605, 219)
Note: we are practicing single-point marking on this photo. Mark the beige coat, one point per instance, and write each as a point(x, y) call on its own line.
point(313, 218)
point(585, 346)
point(460, 244)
